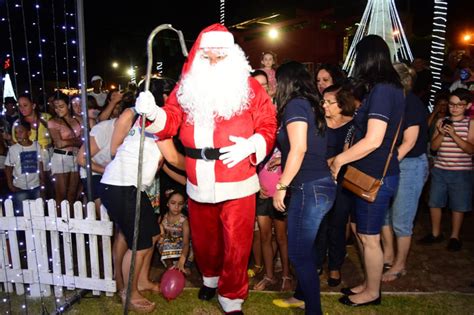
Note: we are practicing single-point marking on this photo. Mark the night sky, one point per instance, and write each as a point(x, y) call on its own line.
point(117, 31)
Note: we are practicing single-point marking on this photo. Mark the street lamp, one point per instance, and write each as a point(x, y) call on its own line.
point(467, 37)
point(273, 33)
point(115, 65)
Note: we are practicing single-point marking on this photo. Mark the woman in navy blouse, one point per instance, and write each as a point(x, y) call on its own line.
point(376, 122)
point(303, 143)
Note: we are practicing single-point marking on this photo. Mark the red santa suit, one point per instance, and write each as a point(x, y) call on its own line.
point(222, 199)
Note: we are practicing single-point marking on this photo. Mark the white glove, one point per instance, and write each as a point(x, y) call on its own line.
point(233, 154)
point(145, 104)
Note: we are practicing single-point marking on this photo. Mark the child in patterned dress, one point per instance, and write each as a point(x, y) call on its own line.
point(174, 245)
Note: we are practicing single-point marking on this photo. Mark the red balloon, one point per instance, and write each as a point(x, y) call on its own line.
point(172, 284)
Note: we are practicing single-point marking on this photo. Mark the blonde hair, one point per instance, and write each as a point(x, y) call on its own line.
point(407, 75)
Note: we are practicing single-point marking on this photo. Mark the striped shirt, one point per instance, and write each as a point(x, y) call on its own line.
point(450, 156)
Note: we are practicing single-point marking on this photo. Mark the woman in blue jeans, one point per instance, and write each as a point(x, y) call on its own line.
point(302, 139)
point(376, 122)
point(339, 105)
point(413, 175)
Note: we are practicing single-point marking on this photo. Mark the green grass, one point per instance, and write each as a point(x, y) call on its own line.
point(261, 303)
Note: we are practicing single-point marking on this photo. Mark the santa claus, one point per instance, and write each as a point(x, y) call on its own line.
point(227, 123)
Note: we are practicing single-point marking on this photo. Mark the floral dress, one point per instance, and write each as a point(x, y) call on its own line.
point(171, 245)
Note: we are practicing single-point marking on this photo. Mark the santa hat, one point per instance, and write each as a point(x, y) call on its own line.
point(213, 36)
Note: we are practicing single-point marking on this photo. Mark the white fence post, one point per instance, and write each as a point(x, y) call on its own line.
point(67, 245)
point(106, 250)
point(39, 230)
point(93, 245)
point(80, 243)
point(14, 254)
point(58, 278)
point(35, 290)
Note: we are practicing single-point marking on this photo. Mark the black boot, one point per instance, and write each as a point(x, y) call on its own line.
point(206, 293)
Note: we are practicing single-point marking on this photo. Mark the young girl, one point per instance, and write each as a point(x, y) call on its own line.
point(174, 229)
point(268, 62)
point(66, 132)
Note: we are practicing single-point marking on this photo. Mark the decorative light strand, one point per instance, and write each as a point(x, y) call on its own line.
point(55, 46)
point(438, 41)
point(222, 12)
point(26, 50)
point(43, 91)
point(78, 66)
point(65, 26)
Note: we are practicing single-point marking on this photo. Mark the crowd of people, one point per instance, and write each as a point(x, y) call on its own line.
point(242, 186)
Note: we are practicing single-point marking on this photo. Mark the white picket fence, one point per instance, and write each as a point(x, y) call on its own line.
point(80, 250)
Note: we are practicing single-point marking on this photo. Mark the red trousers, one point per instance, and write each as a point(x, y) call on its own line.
point(222, 239)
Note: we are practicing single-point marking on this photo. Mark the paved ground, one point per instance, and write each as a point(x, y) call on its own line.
point(430, 268)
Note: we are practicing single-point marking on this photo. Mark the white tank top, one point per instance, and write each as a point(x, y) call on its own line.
point(122, 171)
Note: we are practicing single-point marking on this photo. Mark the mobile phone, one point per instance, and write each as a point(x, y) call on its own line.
point(446, 121)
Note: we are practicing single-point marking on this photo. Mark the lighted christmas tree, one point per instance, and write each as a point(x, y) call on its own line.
point(8, 87)
point(381, 18)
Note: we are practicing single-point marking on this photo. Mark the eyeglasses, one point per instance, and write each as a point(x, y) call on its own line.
point(457, 105)
point(322, 102)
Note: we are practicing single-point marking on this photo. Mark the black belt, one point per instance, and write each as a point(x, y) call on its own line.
point(63, 152)
point(205, 154)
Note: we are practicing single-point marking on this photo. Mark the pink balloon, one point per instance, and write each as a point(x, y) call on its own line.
point(172, 284)
point(269, 179)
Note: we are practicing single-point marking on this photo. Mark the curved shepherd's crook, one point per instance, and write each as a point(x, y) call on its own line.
point(142, 141)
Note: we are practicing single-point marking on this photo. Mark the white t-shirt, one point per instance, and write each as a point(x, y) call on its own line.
point(122, 171)
point(25, 162)
point(102, 133)
point(99, 97)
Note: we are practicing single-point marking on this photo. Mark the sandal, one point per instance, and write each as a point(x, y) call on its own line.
point(392, 276)
point(154, 289)
point(290, 302)
point(286, 284)
point(252, 272)
point(262, 285)
point(141, 306)
point(387, 266)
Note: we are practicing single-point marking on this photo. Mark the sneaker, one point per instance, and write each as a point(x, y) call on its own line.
point(431, 239)
point(287, 303)
point(454, 245)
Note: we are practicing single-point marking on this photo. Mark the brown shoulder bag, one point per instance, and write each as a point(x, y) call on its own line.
point(363, 185)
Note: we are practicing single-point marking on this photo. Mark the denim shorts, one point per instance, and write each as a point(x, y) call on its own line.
point(451, 189)
point(413, 174)
point(370, 216)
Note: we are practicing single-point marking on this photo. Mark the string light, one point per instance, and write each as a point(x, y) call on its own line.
point(437, 47)
point(30, 85)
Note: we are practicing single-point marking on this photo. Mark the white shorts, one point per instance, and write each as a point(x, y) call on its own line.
point(46, 158)
point(62, 163)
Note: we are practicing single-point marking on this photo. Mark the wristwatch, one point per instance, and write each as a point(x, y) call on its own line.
point(280, 186)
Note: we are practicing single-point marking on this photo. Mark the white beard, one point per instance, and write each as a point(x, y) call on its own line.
point(215, 91)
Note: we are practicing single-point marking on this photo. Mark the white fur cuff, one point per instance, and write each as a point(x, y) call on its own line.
point(229, 305)
point(210, 282)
